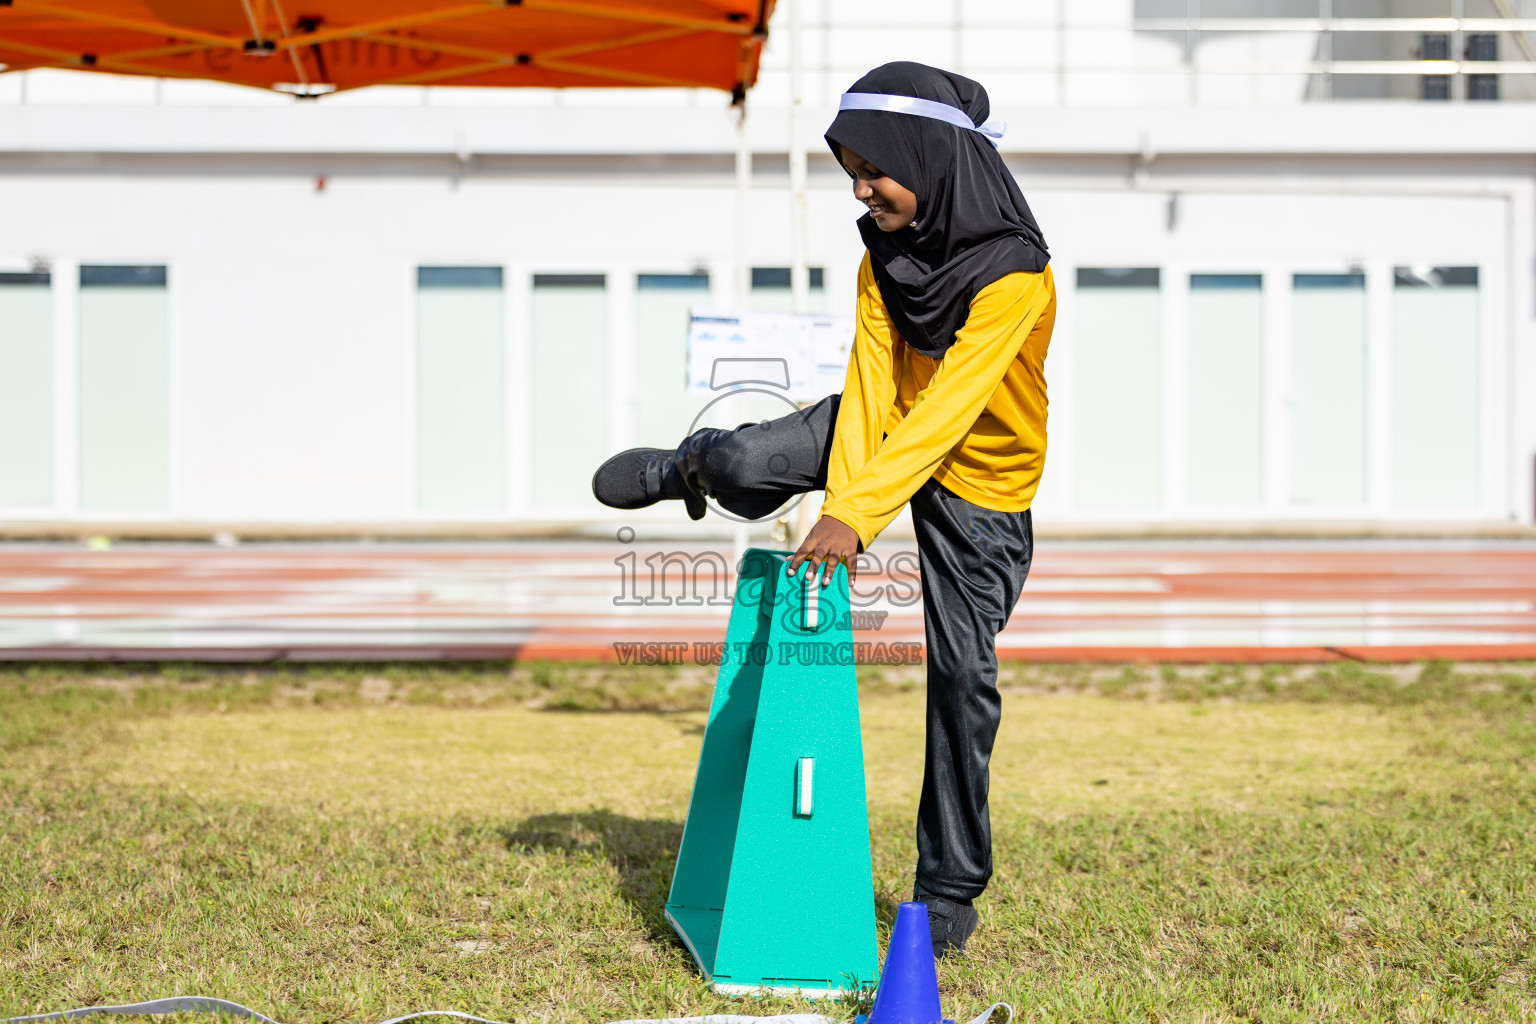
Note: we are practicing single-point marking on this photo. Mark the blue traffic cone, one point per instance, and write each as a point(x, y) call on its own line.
point(909, 985)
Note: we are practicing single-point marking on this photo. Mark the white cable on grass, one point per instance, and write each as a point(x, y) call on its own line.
point(207, 1004)
point(733, 1018)
point(986, 1015)
point(440, 1013)
point(175, 1004)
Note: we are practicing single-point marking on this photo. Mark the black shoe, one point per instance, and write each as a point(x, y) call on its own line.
point(950, 923)
point(641, 477)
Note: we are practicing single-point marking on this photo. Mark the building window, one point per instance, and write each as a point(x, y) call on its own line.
point(1435, 46)
point(664, 409)
point(1328, 389)
point(771, 292)
point(1435, 383)
point(570, 386)
point(26, 389)
point(1226, 389)
point(124, 388)
point(460, 389)
point(1482, 47)
point(1119, 374)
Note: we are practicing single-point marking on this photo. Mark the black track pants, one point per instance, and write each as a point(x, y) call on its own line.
point(973, 562)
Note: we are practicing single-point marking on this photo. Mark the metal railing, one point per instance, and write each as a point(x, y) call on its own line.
point(1198, 29)
point(1325, 28)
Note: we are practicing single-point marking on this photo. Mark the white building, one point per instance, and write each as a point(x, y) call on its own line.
point(1293, 292)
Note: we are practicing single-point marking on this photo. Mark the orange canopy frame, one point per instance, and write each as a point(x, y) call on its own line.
point(313, 47)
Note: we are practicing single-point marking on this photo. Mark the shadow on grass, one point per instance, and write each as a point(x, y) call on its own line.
point(642, 850)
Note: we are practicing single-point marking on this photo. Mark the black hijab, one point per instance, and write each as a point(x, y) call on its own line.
point(972, 226)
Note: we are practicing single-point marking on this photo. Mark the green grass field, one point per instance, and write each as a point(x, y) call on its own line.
point(348, 843)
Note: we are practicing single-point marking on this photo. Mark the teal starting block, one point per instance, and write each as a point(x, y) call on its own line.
point(773, 890)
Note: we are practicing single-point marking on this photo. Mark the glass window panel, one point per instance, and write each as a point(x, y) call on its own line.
point(124, 388)
point(771, 292)
point(460, 390)
point(458, 277)
point(26, 390)
point(1226, 389)
point(1118, 388)
point(665, 410)
point(122, 276)
point(570, 381)
point(1328, 389)
point(1119, 277)
point(1434, 388)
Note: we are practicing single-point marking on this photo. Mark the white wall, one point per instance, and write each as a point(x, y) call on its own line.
point(293, 325)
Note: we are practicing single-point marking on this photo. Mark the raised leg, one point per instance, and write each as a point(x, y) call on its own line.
point(757, 467)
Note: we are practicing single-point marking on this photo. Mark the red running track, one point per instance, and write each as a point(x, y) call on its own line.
point(1153, 601)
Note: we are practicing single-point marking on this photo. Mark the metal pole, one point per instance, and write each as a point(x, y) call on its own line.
point(1191, 42)
point(799, 271)
point(1061, 53)
point(743, 267)
point(742, 271)
point(957, 35)
point(1458, 82)
point(1325, 47)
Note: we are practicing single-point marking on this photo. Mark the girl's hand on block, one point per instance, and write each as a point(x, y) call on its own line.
point(829, 543)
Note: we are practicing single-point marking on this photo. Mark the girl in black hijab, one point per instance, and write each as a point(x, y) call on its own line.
point(943, 408)
point(972, 224)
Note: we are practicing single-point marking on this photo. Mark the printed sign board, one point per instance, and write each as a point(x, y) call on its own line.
point(803, 355)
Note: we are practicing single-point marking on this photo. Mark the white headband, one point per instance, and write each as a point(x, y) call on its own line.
point(921, 108)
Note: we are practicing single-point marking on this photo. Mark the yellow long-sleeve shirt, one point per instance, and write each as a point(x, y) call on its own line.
point(973, 420)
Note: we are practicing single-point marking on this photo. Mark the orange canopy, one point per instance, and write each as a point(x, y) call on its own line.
point(310, 47)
